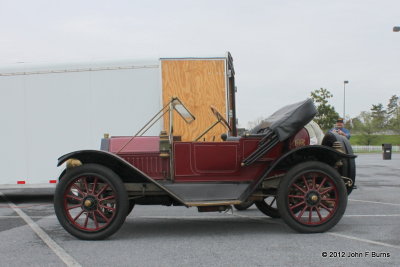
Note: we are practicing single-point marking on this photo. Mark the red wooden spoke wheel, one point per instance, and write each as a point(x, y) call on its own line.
point(96, 205)
point(91, 202)
point(312, 197)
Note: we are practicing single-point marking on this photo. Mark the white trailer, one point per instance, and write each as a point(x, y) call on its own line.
point(47, 111)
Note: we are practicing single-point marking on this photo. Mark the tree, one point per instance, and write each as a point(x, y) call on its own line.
point(326, 114)
point(252, 124)
point(365, 124)
point(393, 113)
point(378, 114)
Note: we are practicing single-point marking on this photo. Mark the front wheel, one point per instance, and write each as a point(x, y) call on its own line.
point(91, 202)
point(312, 197)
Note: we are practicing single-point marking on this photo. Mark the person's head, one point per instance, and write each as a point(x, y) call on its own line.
point(339, 123)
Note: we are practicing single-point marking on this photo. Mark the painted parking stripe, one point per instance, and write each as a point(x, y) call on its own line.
point(32, 217)
point(59, 251)
point(375, 202)
point(365, 240)
point(337, 235)
point(372, 215)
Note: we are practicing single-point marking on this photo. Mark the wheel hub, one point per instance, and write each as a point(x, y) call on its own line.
point(89, 203)
point(313, 198)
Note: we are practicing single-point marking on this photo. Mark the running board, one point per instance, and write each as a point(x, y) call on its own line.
point(213, 203)
point(207, 193)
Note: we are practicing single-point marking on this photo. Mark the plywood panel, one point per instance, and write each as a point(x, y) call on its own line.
point(199, 84)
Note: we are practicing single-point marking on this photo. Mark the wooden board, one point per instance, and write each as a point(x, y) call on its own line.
point(198, 84)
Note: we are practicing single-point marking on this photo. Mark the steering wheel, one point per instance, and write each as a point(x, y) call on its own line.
point(220, 118)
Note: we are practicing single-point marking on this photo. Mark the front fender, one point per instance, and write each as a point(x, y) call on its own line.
point(315, 152)
point(126, 171)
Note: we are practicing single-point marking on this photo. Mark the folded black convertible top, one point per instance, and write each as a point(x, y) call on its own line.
point(288, 120)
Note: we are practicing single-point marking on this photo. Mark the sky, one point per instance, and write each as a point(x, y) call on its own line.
point(282, 50)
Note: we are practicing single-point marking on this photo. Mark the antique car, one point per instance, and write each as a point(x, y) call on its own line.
point(273, 165)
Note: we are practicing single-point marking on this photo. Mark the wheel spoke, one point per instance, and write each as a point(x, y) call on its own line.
point(319, 214)
point(85, 184)
point(305, 182)
point(79, 215)
point(298, 187)
point(322, 183)
point(96, 223)
point(302, 212)
point(79, 190)
point(313, 182)
point(296, 196)
point(107, 198)
point(325, 207)
point(74, 197)
point(327, 190)
point(103, 216)
point(298, 205)
point(94, 185)
point(310, 214)
point(329, 199)
point(102, 190)
point(107, 207)
point(74, 207)
point(86, 220)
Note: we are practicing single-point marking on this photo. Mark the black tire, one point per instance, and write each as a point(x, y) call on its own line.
point(244, 205)
point(312, 188)
point(93, 180)
point(269, 208)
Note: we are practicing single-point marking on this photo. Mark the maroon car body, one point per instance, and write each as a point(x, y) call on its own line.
point(274, 166)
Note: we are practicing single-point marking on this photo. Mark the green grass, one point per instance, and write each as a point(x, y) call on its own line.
point(376, 140)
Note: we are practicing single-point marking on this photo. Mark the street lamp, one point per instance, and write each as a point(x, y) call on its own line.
point(396, 28)
point(344, 99)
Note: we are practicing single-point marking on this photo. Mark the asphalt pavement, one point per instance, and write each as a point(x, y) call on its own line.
point(367, 235)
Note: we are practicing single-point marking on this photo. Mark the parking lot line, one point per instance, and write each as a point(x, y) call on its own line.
point(32, 217)
point(375, 202)
point(372, 215)
point(335, 234)
point(364, 240)
point(59, 251)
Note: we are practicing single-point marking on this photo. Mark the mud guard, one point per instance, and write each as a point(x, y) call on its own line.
point(121, 167)
point(317, 152)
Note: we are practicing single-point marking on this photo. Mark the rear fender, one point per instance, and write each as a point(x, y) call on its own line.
point(321, 153)
point(127, 172)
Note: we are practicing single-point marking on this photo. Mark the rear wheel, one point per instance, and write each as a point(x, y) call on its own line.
point(312, 197)
point(91, 202)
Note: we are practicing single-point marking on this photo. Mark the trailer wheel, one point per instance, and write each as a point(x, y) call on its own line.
point(101, 194)
point(312, 197)
point(269, 207)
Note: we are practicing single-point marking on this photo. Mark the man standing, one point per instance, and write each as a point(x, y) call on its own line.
point(339, 128)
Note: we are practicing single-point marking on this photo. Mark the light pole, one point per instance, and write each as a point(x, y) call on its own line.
point(396, 28)
point(344, 99)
